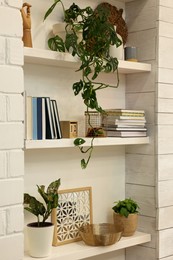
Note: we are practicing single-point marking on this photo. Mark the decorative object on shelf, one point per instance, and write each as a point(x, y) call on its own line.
point(69, 129)
point(125, 215)
point(93, 124)
point(93, 52)
point(74, 211)
point(40, 233)
point(26, 17)
point(103, 234)
point(130, 53)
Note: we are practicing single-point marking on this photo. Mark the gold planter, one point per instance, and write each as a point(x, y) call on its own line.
point(129, 224)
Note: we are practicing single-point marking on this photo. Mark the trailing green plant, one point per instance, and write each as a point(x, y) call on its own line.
point(37, 208)
point(92, 49)
point(126, 207)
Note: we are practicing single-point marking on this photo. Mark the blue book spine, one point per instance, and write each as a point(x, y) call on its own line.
point(34, 118)
point(39, 118)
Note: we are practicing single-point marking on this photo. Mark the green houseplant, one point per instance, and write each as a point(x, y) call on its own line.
point(125, 215)
point(92, 49)
point(40, 233)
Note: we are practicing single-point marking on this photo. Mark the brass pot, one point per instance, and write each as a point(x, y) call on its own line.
point(129, 224)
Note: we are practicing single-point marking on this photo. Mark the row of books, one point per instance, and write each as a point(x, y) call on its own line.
point(124, 123)
point(42, 119)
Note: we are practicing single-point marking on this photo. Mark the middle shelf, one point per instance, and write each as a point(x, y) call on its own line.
point(68, 142)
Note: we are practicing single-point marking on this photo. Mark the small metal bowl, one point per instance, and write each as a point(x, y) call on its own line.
point(103, 234)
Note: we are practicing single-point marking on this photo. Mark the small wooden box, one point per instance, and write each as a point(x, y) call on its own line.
point(69, 129)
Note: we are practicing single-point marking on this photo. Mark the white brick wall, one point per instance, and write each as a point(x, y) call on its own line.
point(12, 131)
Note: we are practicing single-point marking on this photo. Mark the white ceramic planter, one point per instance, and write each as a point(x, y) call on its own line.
point(59, 29)
point(40, 239)
point(117, 52)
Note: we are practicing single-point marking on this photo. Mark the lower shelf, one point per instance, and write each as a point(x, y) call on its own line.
point(78, 250)
point(67, 142)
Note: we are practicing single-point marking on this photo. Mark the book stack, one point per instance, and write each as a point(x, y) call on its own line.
point(42, 119)
point(124, 123)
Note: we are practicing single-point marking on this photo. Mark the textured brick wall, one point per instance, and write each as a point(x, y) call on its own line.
point(12, 131)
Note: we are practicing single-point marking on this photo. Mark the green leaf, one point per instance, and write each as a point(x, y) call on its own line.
point(34, 206)
point(49, 11)
point(56, 44)
point(53, 187)
point(77, 87)
point(79, 141)
point(83, 164)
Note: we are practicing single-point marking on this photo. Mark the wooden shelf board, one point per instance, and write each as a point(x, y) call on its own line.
point(67, 142)
point(52, 58)
point(78, 250)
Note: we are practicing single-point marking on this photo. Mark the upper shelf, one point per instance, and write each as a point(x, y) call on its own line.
point(68, 142)
point(78, 250)
point(61, 59)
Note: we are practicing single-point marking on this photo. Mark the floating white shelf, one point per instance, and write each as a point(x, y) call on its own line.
point(53, 58)
point(67, 142)
point(78, 250)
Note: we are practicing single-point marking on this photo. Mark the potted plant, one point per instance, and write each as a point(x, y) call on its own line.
point(92, 49)
point(125, 215)
point(40, 233)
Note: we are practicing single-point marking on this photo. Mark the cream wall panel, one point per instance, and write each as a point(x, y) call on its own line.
point(145, 196)
point(140, 252)
point(137, 170)
point(142, 101)
point(148, 224)
point(141, 15)
point(165, 139)
point(165, 193)
point(142, 82)
point(165, 167)
point(165, 219)
point(165, 243)
point(145, 42)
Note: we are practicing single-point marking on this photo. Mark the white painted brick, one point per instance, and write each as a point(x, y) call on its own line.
point(2, 222)
point(165, 14)
point(165, 173)
point(3, 165)
point(2, 50)
point(165, 242)
point(11, 79)
point(12, 190)
point(15, 163)
point(3, 108)
point(165, 139)
point(12, 135)
point(15, 108)
point(165, 105)
point(14, 3)
point(165, 76)
point(14, 51)
point(12, 22)
point(165, 119)
point(165, 91)
point(165, 193)
point(166, 3)
point(165, 219)
point(165, 29)
point(12, 247)
point(15, 219)
point(165, 52)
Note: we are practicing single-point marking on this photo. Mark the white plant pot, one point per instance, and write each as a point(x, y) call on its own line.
point(59, 29)
point(117, 52)
point(40, 239)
